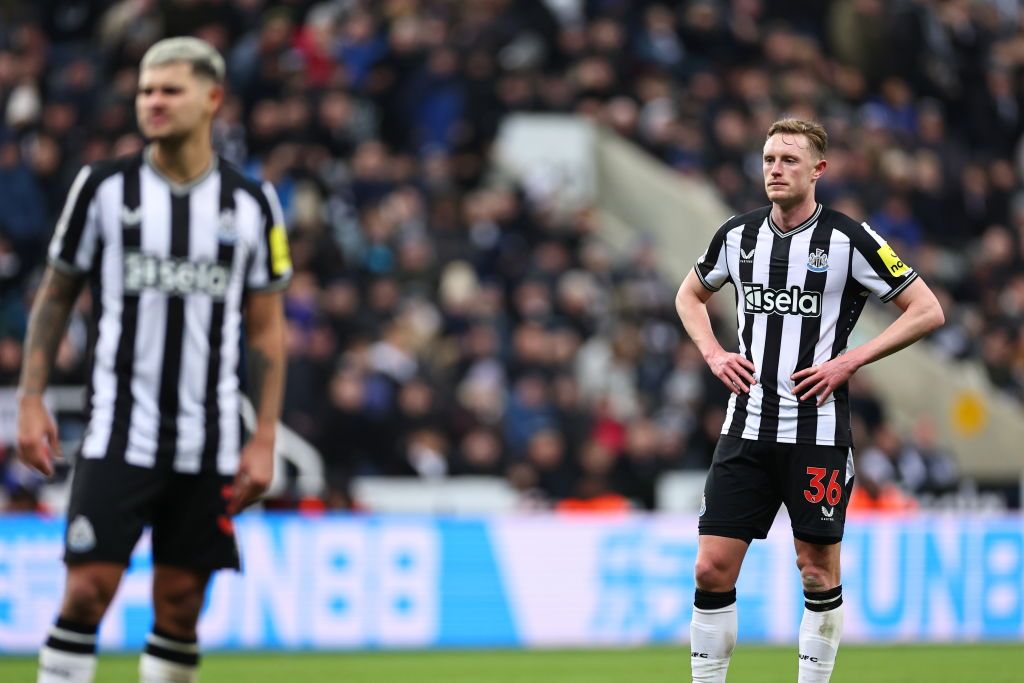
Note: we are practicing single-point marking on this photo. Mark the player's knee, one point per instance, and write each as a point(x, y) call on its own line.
point(714, 574)
point(816, 577)
point(177, 608)
point(86, 598)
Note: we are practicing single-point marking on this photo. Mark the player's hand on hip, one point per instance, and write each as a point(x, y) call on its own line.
point(255, 470)
point(735, 371)
point(821, 380)
point(38, 444)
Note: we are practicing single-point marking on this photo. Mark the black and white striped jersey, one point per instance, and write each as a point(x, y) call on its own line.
point(798, 295)
point(169, 265)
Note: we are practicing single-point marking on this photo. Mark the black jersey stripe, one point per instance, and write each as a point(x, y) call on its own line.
point(851, 305)
point(778, 277)
point(229, 182)
point(124, 358)
point(810, 332)
point(748, 242)
point(267, 231)
point(174, 334)
point(76, 221)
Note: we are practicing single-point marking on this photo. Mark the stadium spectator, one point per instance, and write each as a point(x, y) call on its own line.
point(374, 121)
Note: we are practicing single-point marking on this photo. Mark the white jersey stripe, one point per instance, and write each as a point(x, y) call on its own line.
point(789, 351)
point(762, 266)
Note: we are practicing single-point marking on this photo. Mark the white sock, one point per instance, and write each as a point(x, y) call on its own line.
point(820, 631)
point(712, 635)
point(69, 654)
point(155, 670)
point(169, 660)
point(57, 666)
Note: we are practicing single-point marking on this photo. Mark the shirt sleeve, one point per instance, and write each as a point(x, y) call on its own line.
point(712, 267)
point(76, 236)
point(877, 266)
point(271, 266)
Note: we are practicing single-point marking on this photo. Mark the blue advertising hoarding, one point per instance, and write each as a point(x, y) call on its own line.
point(338, 582)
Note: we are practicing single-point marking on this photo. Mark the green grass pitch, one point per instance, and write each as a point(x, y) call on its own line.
point(751, 664)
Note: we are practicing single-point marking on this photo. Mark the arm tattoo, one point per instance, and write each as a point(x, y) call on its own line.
point(258, 364)
point(267, 357)
point(49, 318)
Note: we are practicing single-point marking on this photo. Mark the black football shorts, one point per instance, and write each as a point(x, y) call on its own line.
point(748, 480)
point(112, 501)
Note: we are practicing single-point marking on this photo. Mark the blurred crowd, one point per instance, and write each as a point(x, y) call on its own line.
point(441, 323)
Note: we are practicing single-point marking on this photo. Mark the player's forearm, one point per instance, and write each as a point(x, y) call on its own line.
point(694, 314)
point(46, 325)
point(266, 381)
point(916, 321)
point(266, 370)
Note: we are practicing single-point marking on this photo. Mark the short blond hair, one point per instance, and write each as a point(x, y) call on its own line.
point(812, 130)
point(203, 57)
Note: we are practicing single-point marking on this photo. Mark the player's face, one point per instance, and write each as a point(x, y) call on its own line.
point(791, 167)
point(172, 102)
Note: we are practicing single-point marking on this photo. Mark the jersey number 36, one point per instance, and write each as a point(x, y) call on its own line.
point(833, 493)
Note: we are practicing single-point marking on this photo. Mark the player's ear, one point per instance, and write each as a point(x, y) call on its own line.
point(819, 169)
point(216, 96)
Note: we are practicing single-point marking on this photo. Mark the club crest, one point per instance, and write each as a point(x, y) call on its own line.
point(817, 262)
point(226, 232)
point(81, 537)
point(131, 218)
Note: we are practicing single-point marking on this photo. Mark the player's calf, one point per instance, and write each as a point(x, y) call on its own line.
point(820, 631)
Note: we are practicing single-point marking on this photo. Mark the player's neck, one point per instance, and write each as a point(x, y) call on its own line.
point(788, 217)
point(182, 161)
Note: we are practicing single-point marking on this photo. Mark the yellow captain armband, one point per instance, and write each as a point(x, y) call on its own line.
point(280, 259)
point(892, 262)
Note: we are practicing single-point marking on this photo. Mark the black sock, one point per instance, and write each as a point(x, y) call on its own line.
point(703, 599)
point(823, 601)
point(71, 636)
point(163, 645)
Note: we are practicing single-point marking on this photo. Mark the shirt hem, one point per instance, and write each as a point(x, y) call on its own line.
point(795, 441)
point(276, 286)
point(63, 266)
point(896, 290)
point(704, 282)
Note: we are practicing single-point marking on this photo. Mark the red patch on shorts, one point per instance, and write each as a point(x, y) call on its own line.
point(226, 525)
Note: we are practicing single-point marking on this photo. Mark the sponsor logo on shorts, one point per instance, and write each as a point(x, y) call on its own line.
point(703, 506)
point(81, 537)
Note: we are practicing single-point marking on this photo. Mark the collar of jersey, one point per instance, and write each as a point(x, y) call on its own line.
point(178, 188)
point(803, 226)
